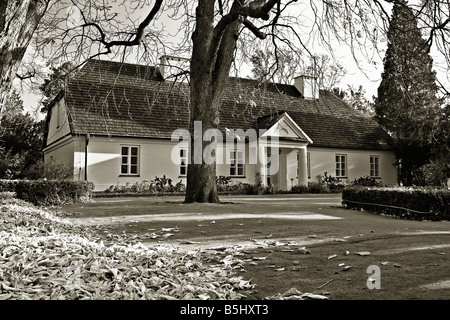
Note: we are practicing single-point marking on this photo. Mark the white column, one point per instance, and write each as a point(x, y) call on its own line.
point(302, 167)
point(263, 164)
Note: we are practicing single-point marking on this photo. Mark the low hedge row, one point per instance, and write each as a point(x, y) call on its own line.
point(409, 203)
point(8, 185)
point(49, 192)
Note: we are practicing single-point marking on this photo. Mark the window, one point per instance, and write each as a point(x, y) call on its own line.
point(236, 163)
point(341, 165)
point(183, 162)
point(129, 160)
point(374, 166)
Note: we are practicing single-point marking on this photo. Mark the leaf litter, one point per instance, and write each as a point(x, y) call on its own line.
point(45, 257)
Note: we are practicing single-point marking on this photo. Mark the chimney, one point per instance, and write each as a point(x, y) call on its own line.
point(174, 68)
point(307, 86)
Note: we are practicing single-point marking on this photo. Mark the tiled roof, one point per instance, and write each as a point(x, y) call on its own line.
point(111, 98)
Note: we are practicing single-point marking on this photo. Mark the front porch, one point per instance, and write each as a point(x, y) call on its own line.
point(292, 169)
point(285, 149)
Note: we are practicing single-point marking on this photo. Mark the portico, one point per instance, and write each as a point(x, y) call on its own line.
point(284, 146)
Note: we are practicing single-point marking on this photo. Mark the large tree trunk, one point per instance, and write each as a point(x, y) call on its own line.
point(212, 55)
point(18, 21)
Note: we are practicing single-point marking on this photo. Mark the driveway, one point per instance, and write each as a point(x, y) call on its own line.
point(306, 218)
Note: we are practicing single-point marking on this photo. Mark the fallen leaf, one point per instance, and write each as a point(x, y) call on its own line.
point(363, 253)
point(346, 268)
point(314, 296)
point(303, 250)
point(188, 242)
point(332, 256)
point(259, 258)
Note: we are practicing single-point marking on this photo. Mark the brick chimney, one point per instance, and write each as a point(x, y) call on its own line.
point(307, 86)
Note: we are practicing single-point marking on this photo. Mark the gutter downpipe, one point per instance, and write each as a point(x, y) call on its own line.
point(87, 137)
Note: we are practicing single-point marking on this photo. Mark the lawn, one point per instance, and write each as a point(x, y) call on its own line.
point(307, 242)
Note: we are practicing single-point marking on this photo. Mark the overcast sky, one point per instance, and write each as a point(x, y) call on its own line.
point(367, 74)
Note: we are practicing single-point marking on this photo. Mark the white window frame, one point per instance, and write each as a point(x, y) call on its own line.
point(183, 162)
point(237, 163)
point(374, 166)
point(127, 159)
point(341, 165)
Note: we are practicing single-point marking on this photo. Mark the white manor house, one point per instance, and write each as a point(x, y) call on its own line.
point(114, 124)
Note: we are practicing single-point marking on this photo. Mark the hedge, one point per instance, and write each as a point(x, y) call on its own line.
point(409, 203)
point(8, 185)
point(49, 192)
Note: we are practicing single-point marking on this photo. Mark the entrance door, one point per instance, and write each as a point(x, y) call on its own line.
point(282, 172)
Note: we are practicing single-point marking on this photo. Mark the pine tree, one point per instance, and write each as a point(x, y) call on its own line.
point(407, 105)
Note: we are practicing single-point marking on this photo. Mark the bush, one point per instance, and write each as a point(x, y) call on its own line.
point(53, 192)
point(367, 181)
point(333, 183)
point(300, 189)
point(318, 187)
point(410, 203)
point(8, 185)
point(153, 187)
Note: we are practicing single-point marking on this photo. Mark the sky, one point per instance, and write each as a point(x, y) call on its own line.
point(365, 74)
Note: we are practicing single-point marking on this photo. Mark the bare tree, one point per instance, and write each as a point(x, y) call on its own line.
point(219, 34)
point(18, 21)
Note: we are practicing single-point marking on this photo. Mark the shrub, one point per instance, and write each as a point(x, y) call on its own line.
point(153, 187)
point(223, 183)
point(366, 181)
point(334, 184)
point(318, 187)
point(410, 203)
point(300, 189)
point(53, 192)
point(8, 185)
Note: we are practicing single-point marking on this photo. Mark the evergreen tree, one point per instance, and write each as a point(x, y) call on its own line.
point(407, 105)
point(21, 139)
